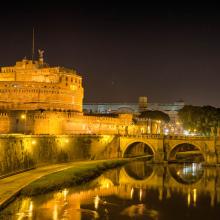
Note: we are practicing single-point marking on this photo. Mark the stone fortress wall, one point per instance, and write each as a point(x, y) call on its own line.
point(33, 85)
point(57, 123)
point(21, 152)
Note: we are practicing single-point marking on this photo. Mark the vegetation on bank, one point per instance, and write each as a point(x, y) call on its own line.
point(200, 119)
point(75, 175)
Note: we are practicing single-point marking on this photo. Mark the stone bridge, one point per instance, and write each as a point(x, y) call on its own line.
point(166, 148)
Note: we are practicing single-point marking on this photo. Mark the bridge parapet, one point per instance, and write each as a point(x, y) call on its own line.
point(162, 145)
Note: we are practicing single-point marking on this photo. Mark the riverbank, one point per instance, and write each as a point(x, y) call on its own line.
point(48, 178)
point(71, 176)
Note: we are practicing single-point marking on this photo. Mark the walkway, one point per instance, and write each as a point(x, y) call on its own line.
point(10, 186)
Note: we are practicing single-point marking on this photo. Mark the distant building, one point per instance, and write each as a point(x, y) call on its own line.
point(169, 108)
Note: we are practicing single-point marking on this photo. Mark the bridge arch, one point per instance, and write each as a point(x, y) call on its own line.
point(186, 149)
point(187, 174)
point(138, 148)
point(138, 175)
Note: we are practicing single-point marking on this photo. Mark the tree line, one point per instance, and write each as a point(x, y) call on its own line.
point(205, 120)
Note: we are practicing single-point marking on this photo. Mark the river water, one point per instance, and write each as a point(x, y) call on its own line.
point(135, 191)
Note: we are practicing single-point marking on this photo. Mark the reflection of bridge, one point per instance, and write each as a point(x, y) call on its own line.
point(189, 180)
point(132, 182)
point(165, 148)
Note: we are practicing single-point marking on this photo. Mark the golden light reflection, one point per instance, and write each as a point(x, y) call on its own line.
point(66, 140)
point(105, 183)
point(65, 192)
point(55, 212)
point(26, 209)
point(188, 198)
point(31, 209)
point(194, 197)
point(132, 193)
point(96, 202)
point(140, 194)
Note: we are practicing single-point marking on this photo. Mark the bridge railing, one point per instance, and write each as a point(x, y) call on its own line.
point(169, 137)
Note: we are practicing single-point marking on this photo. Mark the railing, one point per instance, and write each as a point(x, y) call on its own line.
point(169, 137)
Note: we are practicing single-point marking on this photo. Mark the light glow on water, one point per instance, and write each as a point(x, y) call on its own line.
point(140, 191)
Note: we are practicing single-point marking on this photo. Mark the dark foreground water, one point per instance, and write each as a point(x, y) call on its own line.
point(135, 191)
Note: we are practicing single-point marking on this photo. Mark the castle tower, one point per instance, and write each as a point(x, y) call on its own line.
point(142, 102)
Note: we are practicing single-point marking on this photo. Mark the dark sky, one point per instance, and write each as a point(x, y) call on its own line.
point(124, 50)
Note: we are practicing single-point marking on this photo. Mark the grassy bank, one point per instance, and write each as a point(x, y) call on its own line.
point(75, 175)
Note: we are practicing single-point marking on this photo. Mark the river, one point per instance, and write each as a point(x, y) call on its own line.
point(136, 191)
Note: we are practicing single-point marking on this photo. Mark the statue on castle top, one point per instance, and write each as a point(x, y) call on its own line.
point(41, 55)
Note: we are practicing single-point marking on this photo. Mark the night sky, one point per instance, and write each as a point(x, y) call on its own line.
point(125, 50)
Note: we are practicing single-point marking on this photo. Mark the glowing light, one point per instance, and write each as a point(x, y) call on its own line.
point(23, 116)
point(166, 131)
point(66, 140)
point(188, 199)
point(55, 212)
point(65, 192)
point(105, 183)
point(132, 193)
point(26, 209)
point(185, 132)
point(140, 195)
point(96, 202)
point(73, 87)
point(34, 142)
point(194, 196)
point(30, 209)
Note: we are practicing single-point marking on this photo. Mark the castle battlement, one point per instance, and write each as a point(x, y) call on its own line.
point(32, 85)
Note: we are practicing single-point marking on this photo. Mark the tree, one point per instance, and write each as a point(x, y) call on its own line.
point(204, 119)
point(155, 115)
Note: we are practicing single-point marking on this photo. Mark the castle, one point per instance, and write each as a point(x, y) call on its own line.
point(32, 85)
point(38, 99)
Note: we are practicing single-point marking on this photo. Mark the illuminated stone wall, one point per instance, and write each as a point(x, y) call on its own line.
point(56, 122)
point(20, 152)
point(4, 123)
point(31, 85)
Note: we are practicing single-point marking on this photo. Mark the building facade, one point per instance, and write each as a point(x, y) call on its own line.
point(173, 127)
point(32, 85)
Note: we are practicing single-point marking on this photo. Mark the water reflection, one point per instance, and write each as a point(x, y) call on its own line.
point(187, 173)
point(136, 191)
point(140, 210)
